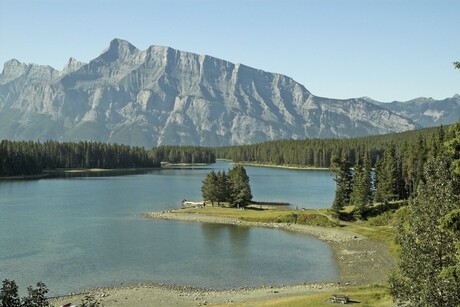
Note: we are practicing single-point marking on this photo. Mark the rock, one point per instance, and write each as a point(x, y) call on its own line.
point(164, 96)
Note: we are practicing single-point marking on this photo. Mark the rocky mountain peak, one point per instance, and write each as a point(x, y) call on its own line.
point(72, 65)
point(12, 70)
point(119, 49)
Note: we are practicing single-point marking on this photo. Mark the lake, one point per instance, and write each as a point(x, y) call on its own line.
point(79, 232)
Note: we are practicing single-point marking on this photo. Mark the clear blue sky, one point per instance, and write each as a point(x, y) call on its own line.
point(385, 49)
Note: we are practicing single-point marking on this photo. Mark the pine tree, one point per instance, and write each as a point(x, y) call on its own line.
point(362, 185)
point(388, 175)
point(343, 182)
point(209, 188)
point(453, 145)
point(426, 249)
point(222, 187)
point(240, 190)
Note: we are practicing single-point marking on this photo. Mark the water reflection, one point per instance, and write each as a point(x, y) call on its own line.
point(215, 233)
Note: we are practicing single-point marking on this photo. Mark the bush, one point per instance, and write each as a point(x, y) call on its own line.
point(9, 296)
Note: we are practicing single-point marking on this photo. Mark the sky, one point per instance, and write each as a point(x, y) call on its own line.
point(384, 49)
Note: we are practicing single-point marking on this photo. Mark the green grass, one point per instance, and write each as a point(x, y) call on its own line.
point(278, 215)
point(371, 295)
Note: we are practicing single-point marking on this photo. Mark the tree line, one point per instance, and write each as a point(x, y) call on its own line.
point(184, 154)
point(19, 158)
point(319, 152)
point(394, 175)
point(30, 158)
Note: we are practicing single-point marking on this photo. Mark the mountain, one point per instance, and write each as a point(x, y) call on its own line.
point(164, 96)
point(427, 112)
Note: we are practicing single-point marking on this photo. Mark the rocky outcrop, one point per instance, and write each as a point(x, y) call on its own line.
point(427, 112)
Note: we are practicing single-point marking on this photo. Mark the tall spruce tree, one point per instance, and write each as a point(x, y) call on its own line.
point(453, 145)
point(343, 182)
point(361, 195)
point(240, 190)
point(388, 176)
point(426, 249)
point(209, 188)
point(222, 187)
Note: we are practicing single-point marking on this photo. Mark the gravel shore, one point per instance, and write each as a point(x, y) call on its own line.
point(361, 261)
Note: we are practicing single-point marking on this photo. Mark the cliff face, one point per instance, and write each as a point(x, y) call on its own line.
point(165, 96)
point(427, 112)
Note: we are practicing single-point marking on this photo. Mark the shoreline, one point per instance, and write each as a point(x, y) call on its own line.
point(356, 255)
point(158, 294)
point(303, 168)
point(361, 262)
point(99, 170)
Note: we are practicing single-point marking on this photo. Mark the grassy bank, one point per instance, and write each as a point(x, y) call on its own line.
point(277, 215)
point(372, 295)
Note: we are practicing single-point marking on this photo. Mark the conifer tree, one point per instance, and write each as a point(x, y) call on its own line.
point(222, 187)
point(362, 184)
point(453, 145)
point(209, 188)
point(240, 190)
point(343, 182)
point(426, 249)
point(387, 176)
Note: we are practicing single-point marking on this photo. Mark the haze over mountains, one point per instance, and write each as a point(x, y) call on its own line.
point(162, 96)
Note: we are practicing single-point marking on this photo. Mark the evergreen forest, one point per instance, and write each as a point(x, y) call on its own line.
point(30, 158)
point(184, 154)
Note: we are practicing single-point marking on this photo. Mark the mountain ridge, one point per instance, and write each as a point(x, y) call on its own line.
point(164, 96)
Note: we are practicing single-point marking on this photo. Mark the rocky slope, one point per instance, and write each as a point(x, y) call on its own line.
point(165, 96)
point(427, 112)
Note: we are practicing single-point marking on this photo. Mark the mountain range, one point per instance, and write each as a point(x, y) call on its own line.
point(163, 96)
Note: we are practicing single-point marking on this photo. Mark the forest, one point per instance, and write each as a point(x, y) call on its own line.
point(22, 158)
point(184, 154)
point(30, 158)
point(320, 152)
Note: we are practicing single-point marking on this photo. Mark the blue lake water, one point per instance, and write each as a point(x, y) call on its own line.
point(81, 232)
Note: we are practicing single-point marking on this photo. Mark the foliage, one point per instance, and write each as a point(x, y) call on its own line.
point(343, 181)
point(29, 158)
point(9, 296)
point(427, 250)
point(457, 65)
point(388, 176)
point(184, 154)
point(453, 145)
point(240, 190)
point(36, 297)
point(232, 187)
point(361, 194)
point(319, 152)
point(208, 189)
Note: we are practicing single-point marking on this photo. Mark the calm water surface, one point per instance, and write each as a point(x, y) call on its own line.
point(77, 233)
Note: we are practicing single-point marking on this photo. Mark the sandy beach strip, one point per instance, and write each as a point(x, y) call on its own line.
point(360, 260)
